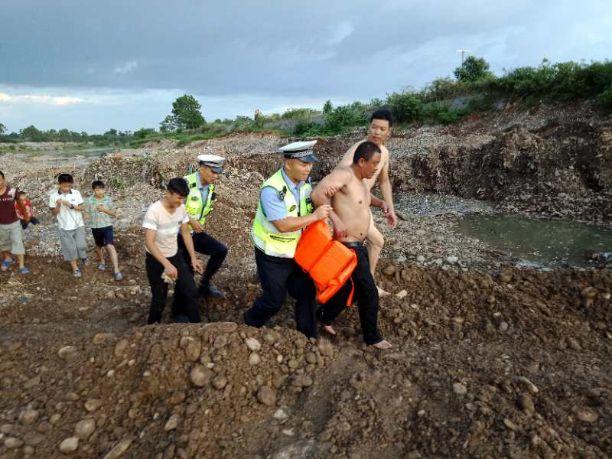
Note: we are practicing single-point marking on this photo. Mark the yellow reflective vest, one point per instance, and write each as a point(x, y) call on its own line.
point(195, 206)
point(265, 235)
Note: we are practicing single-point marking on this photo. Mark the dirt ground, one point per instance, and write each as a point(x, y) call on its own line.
point(516, 364)
point(489, 360)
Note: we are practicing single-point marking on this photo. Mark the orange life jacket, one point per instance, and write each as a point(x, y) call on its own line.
point(330, 263)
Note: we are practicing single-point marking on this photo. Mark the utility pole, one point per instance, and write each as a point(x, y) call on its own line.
point(463, 51)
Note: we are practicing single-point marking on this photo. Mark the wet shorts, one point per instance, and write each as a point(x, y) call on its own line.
point(103, 236)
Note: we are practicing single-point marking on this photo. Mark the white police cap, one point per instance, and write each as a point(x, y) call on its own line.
point(300, 150)
point(215, 162)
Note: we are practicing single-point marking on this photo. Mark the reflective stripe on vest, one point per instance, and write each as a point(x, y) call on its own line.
point(194, 204)
point(265, 235)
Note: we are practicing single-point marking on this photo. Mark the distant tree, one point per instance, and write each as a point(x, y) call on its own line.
point(2, 129)
point(143, 133)
point(168, 124)
point(187, 114)
point(32, 133)
point(64, 135)
point(328, 107)
point(473, 69)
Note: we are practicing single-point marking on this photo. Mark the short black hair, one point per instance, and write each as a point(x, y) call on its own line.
point(97, 184)
point(178, 185)
point(19, 194)
point(2, 174)
point(382, 114)
point(65, 178)
point(365, 150)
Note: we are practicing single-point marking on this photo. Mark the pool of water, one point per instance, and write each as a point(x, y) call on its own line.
point(544, 243)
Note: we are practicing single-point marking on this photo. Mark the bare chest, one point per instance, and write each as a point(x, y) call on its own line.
point(357, 194)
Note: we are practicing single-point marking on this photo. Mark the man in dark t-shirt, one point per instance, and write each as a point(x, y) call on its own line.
point(11, 233)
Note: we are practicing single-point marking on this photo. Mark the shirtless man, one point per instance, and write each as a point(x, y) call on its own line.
point(350, 198)
point(378, 132)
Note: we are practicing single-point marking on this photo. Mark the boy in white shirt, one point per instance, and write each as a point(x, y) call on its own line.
point(67, 205)
point(162, 222)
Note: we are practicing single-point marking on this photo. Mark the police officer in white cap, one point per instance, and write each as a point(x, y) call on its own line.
point(284, 210)
point(199, 204)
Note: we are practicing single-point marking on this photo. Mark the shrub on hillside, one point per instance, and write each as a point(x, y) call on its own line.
point(443, 89)
point(440, 112)
point(562, 82)
point(605, 99)
point(473, 69)
point(406, 106)
point(299, 114)
point(345, 116)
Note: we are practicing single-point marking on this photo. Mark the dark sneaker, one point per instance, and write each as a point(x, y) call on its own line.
point(211, 290)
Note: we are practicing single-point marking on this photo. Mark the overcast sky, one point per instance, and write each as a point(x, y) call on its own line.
point(92, 65)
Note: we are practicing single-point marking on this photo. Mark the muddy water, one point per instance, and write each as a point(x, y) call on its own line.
point(545, 243)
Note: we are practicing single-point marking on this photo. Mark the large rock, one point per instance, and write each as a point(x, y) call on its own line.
point(84, 428)
point(119, 449)
point(200, 375)
point(267, 396)
point(69, 445)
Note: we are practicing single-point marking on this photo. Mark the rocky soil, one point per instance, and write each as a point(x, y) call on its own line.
point(490, 360)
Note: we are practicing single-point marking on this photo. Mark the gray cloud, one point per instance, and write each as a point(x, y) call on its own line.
point(345, 49)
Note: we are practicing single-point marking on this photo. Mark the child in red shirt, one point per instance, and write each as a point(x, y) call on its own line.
point(24, 210)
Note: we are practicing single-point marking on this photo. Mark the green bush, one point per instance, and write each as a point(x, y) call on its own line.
point(605, 99)
point(307, 129)
point(440, 112)
point(559, 82)
point(144, 133)
point(299, 114)
point(343, 117)
point(405, 106)
point(473, 69)
point(443, 89)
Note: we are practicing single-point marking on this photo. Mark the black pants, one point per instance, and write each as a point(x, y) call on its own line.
point(205, 244)
point(33, 221)
point(279, 276)
point(366, 295)
point(185, 301)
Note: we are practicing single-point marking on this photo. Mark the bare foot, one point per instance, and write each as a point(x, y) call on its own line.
point(384, 344)
point(382, 293)
point(329, 329)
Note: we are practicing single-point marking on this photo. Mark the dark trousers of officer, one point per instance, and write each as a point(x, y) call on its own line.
point(279, 276)
point(366, 295)
point(185, 301)
point(205, 244)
